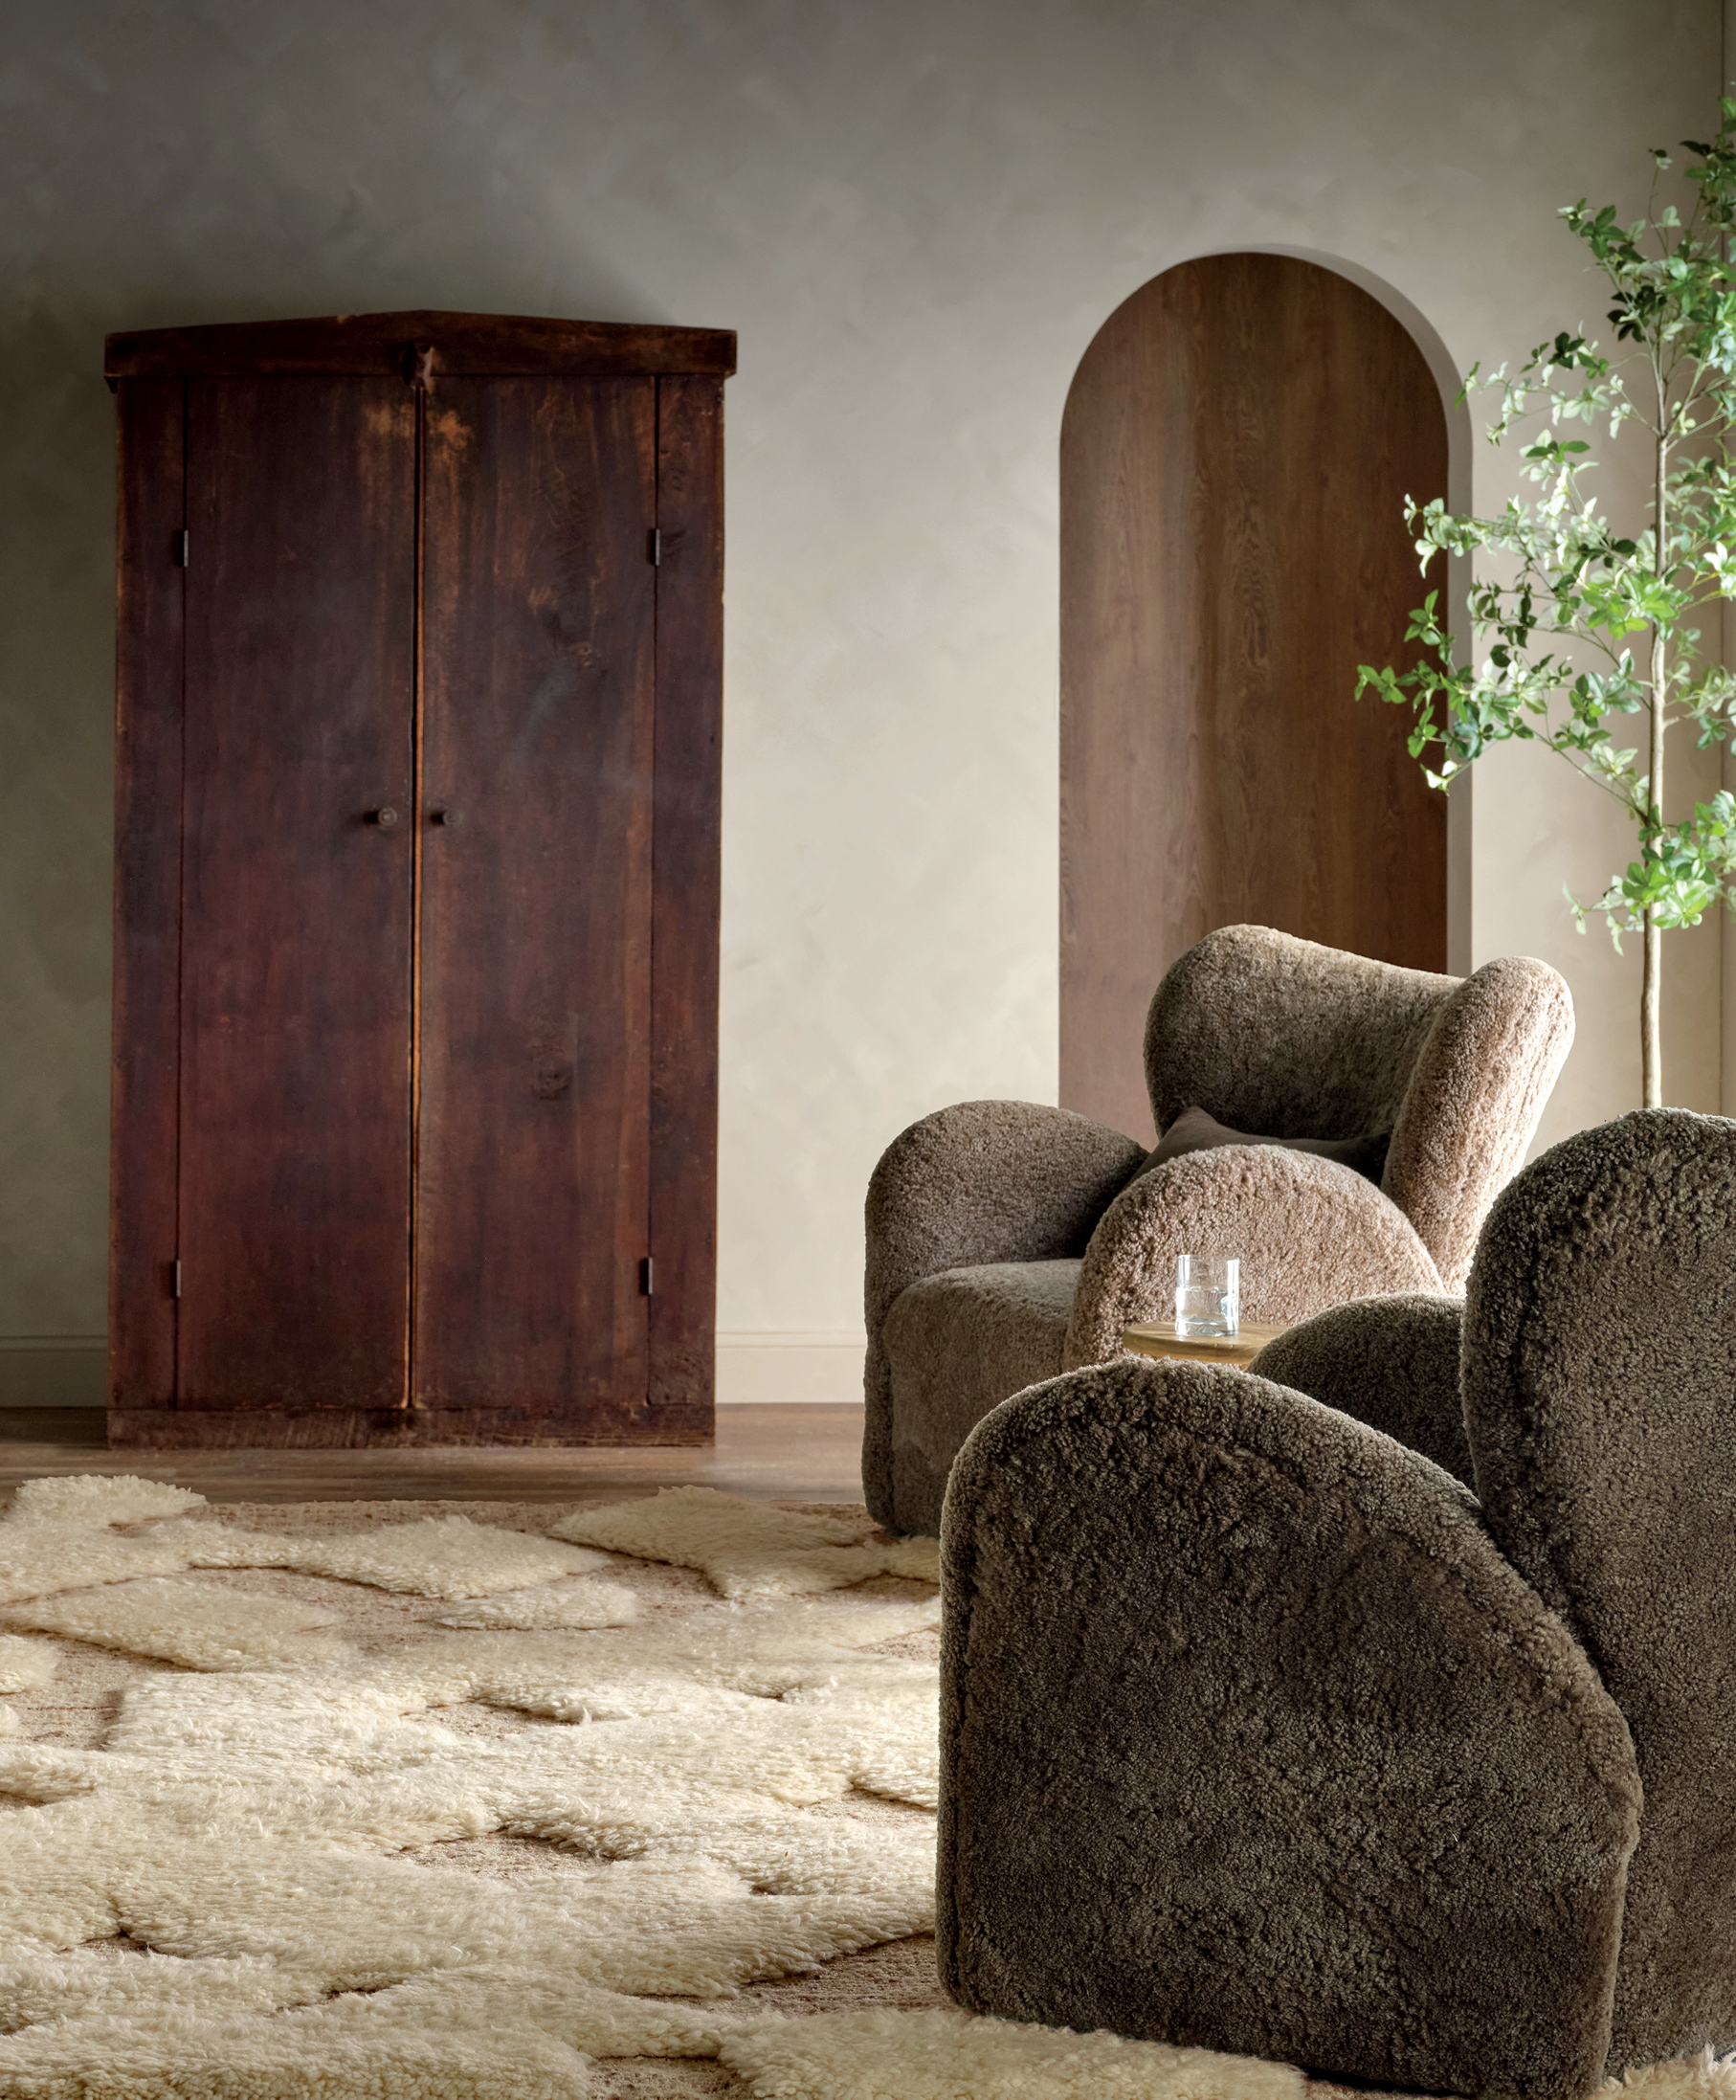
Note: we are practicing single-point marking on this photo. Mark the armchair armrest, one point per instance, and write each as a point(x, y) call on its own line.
point(1599, 1371)
point(1310, 1234)
point(1245, 1694)
point(1474, 1103)
point(983, 1181)
point(1389, 1362)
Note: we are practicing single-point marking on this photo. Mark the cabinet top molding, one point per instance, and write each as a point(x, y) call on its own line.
point(368, 346)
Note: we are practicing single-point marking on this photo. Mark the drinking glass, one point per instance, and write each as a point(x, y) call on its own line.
point(1208, 1297)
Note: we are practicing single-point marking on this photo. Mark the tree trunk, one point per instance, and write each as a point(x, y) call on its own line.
point(1650, 1051)
point(1650, 1056)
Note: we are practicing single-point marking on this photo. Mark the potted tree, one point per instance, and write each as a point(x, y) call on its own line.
point(1594, 642)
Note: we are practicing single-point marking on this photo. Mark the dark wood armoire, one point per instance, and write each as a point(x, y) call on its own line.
point(416, 893)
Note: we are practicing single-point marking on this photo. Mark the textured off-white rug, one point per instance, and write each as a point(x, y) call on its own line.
point(392, 1802)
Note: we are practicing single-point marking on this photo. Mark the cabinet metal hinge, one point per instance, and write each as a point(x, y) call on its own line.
point(645, 1278)
point(657, 547)
point(175, 1278)
point(184, 549)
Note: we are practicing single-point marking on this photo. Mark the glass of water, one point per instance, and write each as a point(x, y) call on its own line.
point(1208, 1297)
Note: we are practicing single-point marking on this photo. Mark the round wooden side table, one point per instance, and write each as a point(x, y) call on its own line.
point(1159, 1338)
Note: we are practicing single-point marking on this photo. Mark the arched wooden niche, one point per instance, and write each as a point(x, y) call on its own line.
point(1238, 445)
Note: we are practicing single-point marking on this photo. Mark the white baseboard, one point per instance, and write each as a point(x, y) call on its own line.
point(757, 1366)
point(754, 1367)
point(54, 1371)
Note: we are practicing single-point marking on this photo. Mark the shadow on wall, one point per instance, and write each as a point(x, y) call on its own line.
point(74, 1375)
point(57, 773)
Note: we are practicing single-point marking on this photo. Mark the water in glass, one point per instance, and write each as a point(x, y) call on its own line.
point(1208, 1297)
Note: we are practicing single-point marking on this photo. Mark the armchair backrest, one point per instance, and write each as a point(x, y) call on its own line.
point(1280, 1036)
point(1599, 1382)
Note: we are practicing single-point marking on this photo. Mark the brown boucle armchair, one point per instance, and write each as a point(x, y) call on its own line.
point(1261, 1731)
point(1008, 1242)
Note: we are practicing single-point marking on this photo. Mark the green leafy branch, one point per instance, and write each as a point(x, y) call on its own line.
point(1559, 595)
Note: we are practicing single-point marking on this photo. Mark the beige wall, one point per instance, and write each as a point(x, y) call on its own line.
point(916, 214)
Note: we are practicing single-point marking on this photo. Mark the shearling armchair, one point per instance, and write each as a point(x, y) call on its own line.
point(1261, 1731)
point(1008, 1242)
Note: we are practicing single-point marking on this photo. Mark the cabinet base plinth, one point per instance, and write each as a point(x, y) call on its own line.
point(358, 1428)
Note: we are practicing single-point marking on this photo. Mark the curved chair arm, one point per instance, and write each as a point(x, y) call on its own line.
point(983, 1181)
point(1245, 1695)
point(1389, 1362)
point(1599, 1383)
point(1474, 1103)
point(1309, 1234)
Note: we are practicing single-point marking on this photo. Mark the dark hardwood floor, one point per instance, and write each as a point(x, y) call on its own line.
point(771, 1453)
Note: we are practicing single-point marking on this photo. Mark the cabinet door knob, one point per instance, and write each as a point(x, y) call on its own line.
point(385, 817)
point(449, 817)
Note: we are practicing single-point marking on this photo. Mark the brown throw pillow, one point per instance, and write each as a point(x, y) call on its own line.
point(1194, 1130)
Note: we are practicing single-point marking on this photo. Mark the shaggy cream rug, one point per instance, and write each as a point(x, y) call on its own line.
point(393, 1800)
point(376, 1802)
point(754, 1549)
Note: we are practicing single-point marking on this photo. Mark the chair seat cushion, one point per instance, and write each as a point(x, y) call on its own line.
point(958, 1344)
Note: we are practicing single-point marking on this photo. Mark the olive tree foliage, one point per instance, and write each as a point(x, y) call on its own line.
point(1591, 632)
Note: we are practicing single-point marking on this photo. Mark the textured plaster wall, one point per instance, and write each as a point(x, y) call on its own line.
point(915, 212)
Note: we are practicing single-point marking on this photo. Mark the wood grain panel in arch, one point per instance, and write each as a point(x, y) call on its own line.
point(1238, 445)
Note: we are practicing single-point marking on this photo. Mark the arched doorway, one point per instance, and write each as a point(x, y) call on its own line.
point(1237, 445)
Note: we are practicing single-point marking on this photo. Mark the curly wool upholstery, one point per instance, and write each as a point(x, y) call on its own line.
point(1458, 1139)
point(1308, 1232)
point(1252, 1740)
point(1284, 1037)
point(988, 1181)
point(1600, 1403)
point(959, 1343)
point(1389, 1362)
point(1269, 1035)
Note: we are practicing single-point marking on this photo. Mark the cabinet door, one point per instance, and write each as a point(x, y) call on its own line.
point(294, 1178)
point(534, 1075)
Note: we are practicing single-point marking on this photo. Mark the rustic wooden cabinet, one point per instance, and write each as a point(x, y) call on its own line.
point(415, 961)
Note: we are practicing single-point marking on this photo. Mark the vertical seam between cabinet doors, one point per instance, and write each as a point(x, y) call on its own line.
point(650, 930)
point(181, 889)
point(414, 1163)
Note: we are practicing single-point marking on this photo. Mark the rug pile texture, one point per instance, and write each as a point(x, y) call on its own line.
point(394, 1801)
